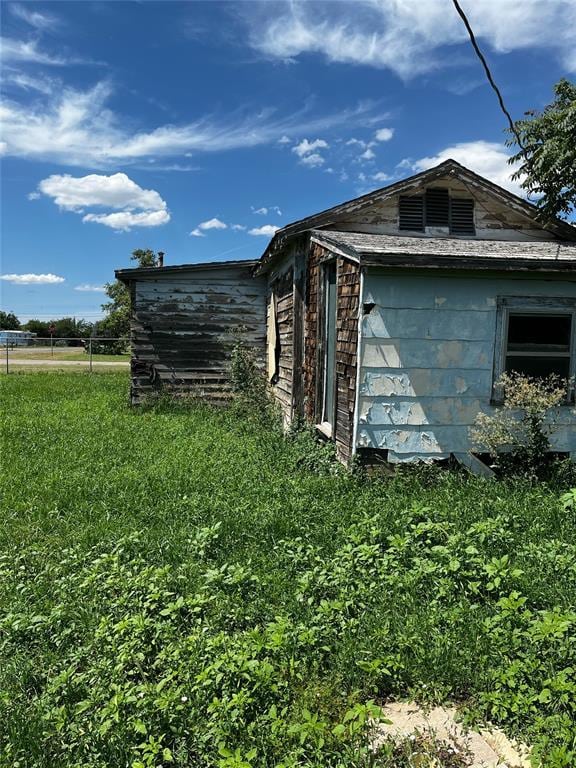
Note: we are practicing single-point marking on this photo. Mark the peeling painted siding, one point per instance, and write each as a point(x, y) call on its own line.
point(493, 220)
point(183, 329)
point(427, 359)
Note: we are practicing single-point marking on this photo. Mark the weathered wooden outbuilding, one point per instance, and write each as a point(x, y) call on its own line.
point(384, 321)
point(185, 320)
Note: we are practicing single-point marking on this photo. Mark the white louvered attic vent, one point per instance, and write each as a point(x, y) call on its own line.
point(438, 210)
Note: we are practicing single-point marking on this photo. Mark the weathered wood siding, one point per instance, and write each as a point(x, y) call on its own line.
point(427, 357)
point(348, 296)
point(281, 289)
point(493, 219)
point(311, 330)
point(184, 325)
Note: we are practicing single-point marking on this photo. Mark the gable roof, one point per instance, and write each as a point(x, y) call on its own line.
point(447, 252)
point(406, 186)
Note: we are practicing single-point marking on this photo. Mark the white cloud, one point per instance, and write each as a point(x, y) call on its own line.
point(42, 84)
point(212, 224)
point(313, 161)
point(197, 233)
point(306, 151)
point(123, 221)
point(136, 207)
point(268, 230)
point(89, 288)
point(405, 36)
point(381, 176)
point(75, 127)
point(238, 227)
point(116, 191)
point(34, 195)
point(305, 147)
point(32, 279)
point(369, 154)
point(28, 51)
point(40, 21)
point(487, 158)
point(356, 143)
point(284, 140)
point(384, 134)
point(266, 209)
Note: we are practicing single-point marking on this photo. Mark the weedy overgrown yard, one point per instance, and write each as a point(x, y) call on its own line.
point(183, 587)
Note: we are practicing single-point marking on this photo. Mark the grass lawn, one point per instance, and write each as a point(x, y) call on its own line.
point(183, 587)
point(59, 353)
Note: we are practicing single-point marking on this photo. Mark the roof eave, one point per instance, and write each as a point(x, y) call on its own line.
point(125, 275)
point(428, 261)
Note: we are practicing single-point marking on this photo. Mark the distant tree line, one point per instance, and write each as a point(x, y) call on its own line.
point(114, 324)
point(63, 327)
point(9, 321)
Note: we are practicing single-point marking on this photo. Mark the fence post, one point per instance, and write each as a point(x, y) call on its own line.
point(90, 343)
point(7, 364)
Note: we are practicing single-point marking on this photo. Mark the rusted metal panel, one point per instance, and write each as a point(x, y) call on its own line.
point(185, 323)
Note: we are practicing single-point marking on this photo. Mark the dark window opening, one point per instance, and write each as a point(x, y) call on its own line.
point(538, 344)
point(436, 209)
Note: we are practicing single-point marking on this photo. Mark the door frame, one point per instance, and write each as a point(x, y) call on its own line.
point(327, 304)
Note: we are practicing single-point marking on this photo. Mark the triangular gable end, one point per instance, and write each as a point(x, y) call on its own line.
point(498, 213)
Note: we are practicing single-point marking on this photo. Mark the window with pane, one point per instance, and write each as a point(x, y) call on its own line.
point(539, 344)
point(537, 337)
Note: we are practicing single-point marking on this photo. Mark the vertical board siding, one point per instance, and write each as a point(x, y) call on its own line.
point(282, 289)
point(183, 329)
point(348, 296)
point(427, 357)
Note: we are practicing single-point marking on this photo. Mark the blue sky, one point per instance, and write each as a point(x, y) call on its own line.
point(197, 128)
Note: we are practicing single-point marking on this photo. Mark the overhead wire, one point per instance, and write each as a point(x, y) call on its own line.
point(491, 80)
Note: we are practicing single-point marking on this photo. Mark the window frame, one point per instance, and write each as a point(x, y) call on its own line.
point(531, 305)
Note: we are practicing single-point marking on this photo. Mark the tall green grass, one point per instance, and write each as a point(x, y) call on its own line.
point(179, 586)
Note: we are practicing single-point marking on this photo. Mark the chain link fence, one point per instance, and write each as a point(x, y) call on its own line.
point(20, 352)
